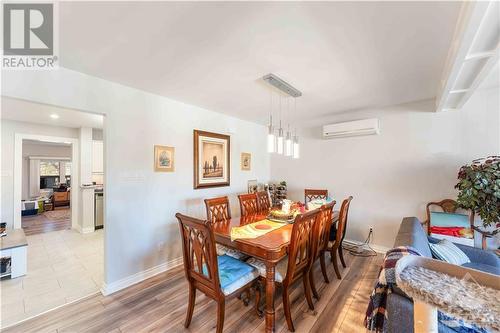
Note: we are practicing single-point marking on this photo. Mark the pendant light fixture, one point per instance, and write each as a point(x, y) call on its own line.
point(271, 138)
point(296, 148)
point(279, 144)
point(279, 148)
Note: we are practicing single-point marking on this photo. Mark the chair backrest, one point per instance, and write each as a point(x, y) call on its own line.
point(342, 224)
point(263, 202)
point(322, 228)
point(248, 204)
point(310, 194)
point(448, 206)
point(218, 209)
point(200, 256)
point(300, 251)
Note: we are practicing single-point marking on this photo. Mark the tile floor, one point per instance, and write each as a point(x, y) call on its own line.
point(63, 266)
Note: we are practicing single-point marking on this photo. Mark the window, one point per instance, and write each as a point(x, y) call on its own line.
point(49, 168)
point(68, 168)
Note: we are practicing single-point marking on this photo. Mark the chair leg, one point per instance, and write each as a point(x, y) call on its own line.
point(286, 308)
point(323, 266)
point(220, 315)
point(335, 266)
point(311, 282)
point(258, 293)
point(307, 290)
point(341, 255)
point(191, 300)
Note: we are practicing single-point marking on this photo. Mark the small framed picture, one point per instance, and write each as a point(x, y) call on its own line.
point(164, 158)
point(246, 161)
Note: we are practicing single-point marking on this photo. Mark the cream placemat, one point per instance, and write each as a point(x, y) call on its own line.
point(255, 229)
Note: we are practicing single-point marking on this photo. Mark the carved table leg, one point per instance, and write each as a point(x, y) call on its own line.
point(270, 269)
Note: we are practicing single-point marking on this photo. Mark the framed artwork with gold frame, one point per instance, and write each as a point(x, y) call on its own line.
point(212, 156)
point(246, 161)
point(164, 158)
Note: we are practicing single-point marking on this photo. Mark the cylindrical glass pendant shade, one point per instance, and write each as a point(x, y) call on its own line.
point(271, 140)
point(280, 143)
point(296, 148)
point(288, 145)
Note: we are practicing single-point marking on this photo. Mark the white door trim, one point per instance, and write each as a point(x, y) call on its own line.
point(75, 174)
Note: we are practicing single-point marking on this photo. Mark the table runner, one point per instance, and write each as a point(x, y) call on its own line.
point(252, 230)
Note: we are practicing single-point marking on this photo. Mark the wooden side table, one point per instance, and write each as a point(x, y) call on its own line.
point(48, 206)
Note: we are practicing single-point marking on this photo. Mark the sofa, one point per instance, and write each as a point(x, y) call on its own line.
point(399, 306)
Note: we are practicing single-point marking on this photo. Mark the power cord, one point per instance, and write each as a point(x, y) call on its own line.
point(362, 250)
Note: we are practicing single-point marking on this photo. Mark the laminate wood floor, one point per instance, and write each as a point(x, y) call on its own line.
point(52, 220)
point(159, 305)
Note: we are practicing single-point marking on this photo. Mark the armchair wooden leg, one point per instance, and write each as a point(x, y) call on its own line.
point(286, 308)
point(313, 286)
point(323, 266)
point(341, 255)
point(191, 300)
point(220, 315)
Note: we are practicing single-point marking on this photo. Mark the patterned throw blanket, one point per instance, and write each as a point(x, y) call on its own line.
point(375, 314)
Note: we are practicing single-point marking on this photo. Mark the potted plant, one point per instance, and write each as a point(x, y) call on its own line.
point(479, 190)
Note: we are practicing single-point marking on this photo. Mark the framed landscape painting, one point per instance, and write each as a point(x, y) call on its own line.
point(211, 159)
point(164, 158)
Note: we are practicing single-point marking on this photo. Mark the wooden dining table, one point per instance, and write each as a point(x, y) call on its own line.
point(270, 248)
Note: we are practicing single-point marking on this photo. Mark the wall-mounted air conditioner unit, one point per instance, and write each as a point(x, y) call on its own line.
point(351, 128)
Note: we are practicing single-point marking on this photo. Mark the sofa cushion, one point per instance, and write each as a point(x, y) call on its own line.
point(483, 267)
point(412, 234)
point(449, 252)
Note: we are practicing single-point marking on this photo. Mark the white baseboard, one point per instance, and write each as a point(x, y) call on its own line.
point(108, 289)
point(87, 230)
point(84, 230)
point(377, 248)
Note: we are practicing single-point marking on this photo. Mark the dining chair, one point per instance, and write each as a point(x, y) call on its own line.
point(296, 265)
point(263, 202)
point(310, 194)
point(218, 277)
point(219, 211)
point(321, 235)
point(248, 204)
point(337, 236)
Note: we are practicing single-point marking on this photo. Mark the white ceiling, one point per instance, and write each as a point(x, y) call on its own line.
point(21, 110)
point(342, 56)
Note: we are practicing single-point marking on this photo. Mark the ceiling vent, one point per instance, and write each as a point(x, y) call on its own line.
point(351, 128)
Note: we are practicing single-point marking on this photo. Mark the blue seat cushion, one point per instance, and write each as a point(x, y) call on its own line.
point(233, 273)
point(483, 267)
point(440, 219)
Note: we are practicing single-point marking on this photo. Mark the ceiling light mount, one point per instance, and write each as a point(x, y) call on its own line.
point(54, 116)
point(285, 87)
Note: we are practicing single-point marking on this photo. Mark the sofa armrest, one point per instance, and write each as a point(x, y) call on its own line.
point(399, 314)
point(479, 255)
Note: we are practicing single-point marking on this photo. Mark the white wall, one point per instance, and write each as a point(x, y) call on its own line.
point(140, 228)
point(414, 160)
point(8, 129)
point(30, 149)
